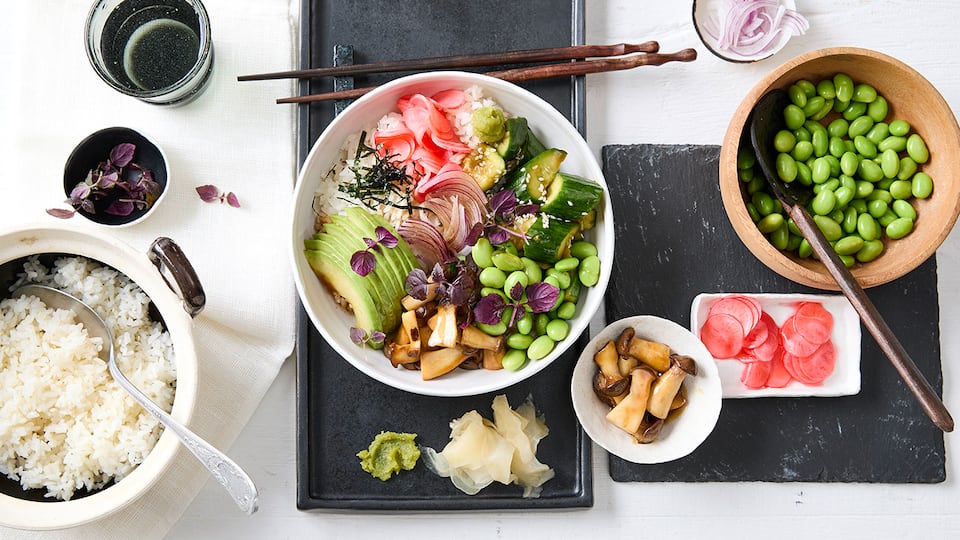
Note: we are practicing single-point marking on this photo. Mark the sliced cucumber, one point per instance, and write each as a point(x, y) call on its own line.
point(485, 165)
point(549, 239)
point(533, 146)
point(531, 181)
point(512, 144)
point(571, 197)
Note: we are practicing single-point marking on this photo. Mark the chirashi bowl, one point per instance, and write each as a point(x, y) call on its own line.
point(334, 323)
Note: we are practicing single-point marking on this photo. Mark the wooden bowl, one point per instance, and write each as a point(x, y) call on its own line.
point(912, 98)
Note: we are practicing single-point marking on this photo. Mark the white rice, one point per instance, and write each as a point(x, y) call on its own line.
point(329, 200)
point(64, 423)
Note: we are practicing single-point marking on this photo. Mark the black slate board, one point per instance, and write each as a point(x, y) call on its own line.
point(673, 242)
point(339, 409)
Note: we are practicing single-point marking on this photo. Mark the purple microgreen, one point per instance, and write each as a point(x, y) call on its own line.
point(542, 296)
point(370, 242)
point(120, 207)
point(233, 200)
point(498, 225)
point(516, 292)
point(524, 209)
point(61, 213)
point(81, 191)
point(357, 335)
point(437, 275)
point(122, 154)
point(362, 262)
point(475, 233)
point(503, 203)
point(385, 238)
point(489, 309)
point(416, 284)
point(377, 336)
point(208, 192)
point(497, 235)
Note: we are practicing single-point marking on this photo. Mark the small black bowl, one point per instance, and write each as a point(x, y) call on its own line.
point(95, 149)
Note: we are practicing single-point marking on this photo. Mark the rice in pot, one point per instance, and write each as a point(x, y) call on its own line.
point(64, 423)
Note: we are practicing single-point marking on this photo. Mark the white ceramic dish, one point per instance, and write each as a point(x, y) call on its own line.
point(680, 436)
point(703, 10)
point(19, 243)
point(845, 379)
point(334, 323)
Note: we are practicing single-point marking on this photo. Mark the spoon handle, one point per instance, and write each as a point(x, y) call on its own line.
point(878, 328)
point(221, 467)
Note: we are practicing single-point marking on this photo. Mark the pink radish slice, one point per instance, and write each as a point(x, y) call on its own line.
point(723, 335)
point(746, 310)
point(819, 365)
point(794, 342)
point(755, 374)
point(779, 376)
point(813, 322)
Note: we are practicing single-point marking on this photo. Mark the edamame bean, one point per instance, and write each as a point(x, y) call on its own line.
point(843, 196)
point(826, 89)
point(497, 329)
point(558, 329)
point(867, 227)
point(840, 106)
point(878, 133)
point(864, 188)
point(808, 87)
point(837, 147)
point(848, 245)
point(519, 341)
point(525, 323)
point(849, 223)
point(843, 85)
point(482, 253)
point(822, 204)
point(589, 271)
point(540, 323)
point(860, 126)
point(922, 185)
point(887, 218)
point(784, 141)
point(746, 159)
point(514, 359)
point(813, 106)
point(759, 184)
point(509, 248)
point(878, 109)
point(899, 228)
point(517, 277)
point(780, 238)
point(899, 128)
point(880, 194)
point(801, 134)
point(847, 260)
point(770, 223)
point(821, 142)
point(838, 128)
point(865, 147)
point(831, 229)
point(904, 209)
point(834, 164)
point(508, 262)
point(805, 249)
point(854, 110)
point(552, 279)
point(492, 277)
point(860, 204)
point(563, 278)
point(801, 152)
point(487, 291)
point(793, 116)
point(532, 269)
point(901, 189)
point(824, 110)
point(786, 168)
point(849, 163)
point(752, 212)
point(582, 249)
point(820, 171)
point(565, 265)
point(864, 93)
point(797, 96)
point(889, 163)
point(917, 148)
point(907, 168)
point(877, 208)
point(893, 142)
point(567, 310)
point(871, 250)
point(804, 176)
point(541, 347)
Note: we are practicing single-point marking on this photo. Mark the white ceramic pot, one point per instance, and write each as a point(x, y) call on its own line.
point(149, 270)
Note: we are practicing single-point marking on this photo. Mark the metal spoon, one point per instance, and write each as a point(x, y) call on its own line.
point(222, 468)
point(765, 121)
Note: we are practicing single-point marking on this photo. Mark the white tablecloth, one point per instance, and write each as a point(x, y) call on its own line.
point(233, 136)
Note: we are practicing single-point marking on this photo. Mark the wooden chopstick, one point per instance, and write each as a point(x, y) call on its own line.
point(574, 52)
point(566, 69)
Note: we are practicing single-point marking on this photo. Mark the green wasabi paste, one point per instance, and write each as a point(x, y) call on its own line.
point(489, 125)
point(389, 453)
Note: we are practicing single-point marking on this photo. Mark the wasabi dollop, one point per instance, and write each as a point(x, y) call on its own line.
point(389, 453)
point(489, 125)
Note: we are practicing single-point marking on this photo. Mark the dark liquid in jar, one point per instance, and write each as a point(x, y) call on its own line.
point(150, 47)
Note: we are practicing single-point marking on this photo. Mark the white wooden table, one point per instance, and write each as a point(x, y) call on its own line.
point(680, 103)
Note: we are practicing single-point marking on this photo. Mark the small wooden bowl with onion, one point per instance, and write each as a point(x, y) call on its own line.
point(910, 97)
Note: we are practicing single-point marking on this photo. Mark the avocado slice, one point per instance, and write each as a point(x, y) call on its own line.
point(348, 285)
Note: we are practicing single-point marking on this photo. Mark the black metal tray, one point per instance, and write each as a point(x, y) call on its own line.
point(339, 409)
point(680, 243)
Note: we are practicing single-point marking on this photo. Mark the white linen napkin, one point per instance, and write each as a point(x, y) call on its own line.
point(233, 136)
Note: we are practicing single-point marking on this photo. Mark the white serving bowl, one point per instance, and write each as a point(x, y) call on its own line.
point(681, 435)
point(17, 508)
point(334, 323)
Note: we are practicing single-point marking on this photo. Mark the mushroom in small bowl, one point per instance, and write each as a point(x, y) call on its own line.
point(646, 390)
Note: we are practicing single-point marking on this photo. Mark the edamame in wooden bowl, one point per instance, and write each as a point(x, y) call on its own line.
point(878, 147)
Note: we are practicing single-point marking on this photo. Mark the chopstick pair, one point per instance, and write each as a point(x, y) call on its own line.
point(625, 56)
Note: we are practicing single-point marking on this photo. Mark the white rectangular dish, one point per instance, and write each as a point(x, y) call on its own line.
point(845, 379)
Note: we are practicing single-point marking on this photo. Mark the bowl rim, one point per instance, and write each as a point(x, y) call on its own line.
point(604, 229)
point(615, 440)
point(735, 58)
point(18, 242)
point(756, 243)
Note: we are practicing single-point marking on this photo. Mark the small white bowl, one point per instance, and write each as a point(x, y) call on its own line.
point(680, 436)
point(845, 379)
point(704, 10)
point(334, 323)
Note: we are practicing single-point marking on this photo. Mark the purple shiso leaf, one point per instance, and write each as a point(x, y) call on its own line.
point(122, 154)
point(516, 292)
point(503, 202)
point(370, 242)
point(107, 181)
point(437, 275)
point(377, 336)
point(208, 192)
point(357, 335)
point(489, 309)
point(81, 191)
point(121, 207)
point(363, 262)
point(416, 284)
point(524, 209)
point(475, 232)
point(497, 235)
point(542, 296)
point(461, 290)
point(385, 237)
point(61, 213)
point(232, 200)
point(87, 206)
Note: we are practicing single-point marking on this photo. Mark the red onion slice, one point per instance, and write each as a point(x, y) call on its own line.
point(752, 28)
